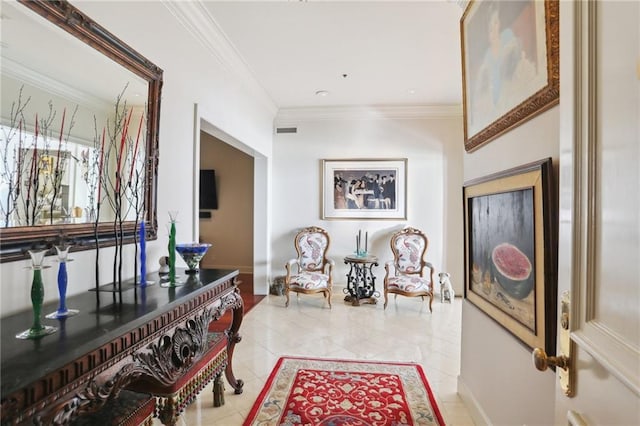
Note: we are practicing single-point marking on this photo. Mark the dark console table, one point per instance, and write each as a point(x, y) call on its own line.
point(106, 347)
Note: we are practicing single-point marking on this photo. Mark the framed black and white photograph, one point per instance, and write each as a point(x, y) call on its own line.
point(364, 189)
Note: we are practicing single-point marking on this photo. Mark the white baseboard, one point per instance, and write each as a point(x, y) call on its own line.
point(475, 410)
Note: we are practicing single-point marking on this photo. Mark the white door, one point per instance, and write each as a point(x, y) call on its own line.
point(599, 240)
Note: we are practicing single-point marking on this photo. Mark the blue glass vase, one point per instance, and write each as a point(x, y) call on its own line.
point(63, 311)
point(37, 329)
point(192, 254)
point(142, 236)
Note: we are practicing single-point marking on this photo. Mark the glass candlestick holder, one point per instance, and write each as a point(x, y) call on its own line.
point(63, 311)
point(361, 253)
point(37, 329)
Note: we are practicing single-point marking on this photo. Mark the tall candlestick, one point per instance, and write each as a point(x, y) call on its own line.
point(63, 311)
point(38, 329)
point(172, 253)
point(173, 215)
point(143, 255)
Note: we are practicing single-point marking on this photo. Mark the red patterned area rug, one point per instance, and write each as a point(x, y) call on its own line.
point(328, 392)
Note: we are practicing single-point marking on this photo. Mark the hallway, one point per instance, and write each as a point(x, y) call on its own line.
point(406, 331)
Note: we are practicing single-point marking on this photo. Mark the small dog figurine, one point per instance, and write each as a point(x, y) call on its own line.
point(446, 289)
point(164, 265)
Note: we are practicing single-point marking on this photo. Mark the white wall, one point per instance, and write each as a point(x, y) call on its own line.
point(496, 370)
point(433, 148)
point(192, 74)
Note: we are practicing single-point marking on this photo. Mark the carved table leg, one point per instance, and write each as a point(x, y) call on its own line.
point(167, 412)
point(352, 284)
point(234, 337)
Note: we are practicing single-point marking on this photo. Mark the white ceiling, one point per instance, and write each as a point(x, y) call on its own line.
point(392, 52)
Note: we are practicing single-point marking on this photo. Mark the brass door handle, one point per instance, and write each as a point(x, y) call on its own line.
point(563, 359)
point(542, 361)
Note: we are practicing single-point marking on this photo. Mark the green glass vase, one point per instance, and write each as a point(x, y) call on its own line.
point(172, 279)
point(37, 329)
point(172, 253)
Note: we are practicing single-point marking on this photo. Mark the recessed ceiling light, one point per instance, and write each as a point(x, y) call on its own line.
point(322, 93)
point(411, 91)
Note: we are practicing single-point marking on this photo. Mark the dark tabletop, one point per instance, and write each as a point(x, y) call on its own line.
point(24, 361)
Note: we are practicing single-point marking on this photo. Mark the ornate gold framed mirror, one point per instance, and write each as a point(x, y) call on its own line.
point(69, 84)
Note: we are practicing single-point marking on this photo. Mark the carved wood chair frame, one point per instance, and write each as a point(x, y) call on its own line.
point(393, 268)
point(297, 266)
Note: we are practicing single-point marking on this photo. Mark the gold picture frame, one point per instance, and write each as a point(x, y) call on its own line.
point(510, 65)
point(510, 251)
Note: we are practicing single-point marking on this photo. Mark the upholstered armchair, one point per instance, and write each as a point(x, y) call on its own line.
point(405, 275)
point(311, 272)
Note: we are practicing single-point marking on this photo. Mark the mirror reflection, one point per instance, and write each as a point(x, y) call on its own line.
point(78, 131)
point(54, 166)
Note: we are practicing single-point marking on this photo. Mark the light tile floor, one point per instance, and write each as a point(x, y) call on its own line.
point(406, 331)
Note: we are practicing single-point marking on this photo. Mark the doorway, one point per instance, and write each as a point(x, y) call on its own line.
point(242, 216)
point(229, 228)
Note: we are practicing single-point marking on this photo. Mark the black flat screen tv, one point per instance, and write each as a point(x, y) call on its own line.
point(208, 192)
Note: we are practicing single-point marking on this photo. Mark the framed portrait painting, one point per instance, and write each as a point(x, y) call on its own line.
point(364, 189)
point(510, 254)
point(510, 65)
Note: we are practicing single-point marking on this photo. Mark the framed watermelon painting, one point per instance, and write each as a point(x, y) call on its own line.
point(510, 251)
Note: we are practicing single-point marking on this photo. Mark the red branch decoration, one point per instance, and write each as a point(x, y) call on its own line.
point(121, 152)
point(64, 112)
point(100, 166)
point(135, 149)
point(19, 166)
point(34, 167)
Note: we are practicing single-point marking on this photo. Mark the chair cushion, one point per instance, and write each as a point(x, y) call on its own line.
point(309, 280)
point(409, 284)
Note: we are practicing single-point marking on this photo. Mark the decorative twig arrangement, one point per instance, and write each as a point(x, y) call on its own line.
point(32, 169)
point(13, 154)
point(34, 158)
point(119, 178)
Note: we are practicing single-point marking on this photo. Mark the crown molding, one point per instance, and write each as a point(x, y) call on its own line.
point(196, 19)
point(19, 72)
point(292, 115)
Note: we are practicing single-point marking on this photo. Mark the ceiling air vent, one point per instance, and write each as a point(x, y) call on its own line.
point(286, 130)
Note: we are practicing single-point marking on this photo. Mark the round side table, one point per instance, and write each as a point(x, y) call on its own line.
point(361, 282)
